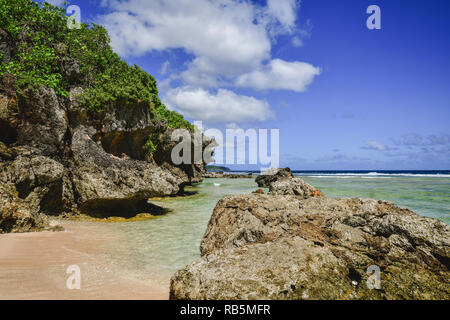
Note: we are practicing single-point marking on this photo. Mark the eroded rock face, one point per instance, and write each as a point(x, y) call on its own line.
point(37, 180)
point(294, 186)
point(265, 179)
point(189, 173)
point(56, 156)
point(97, 175)
point(285, 247)
point(41, 122)
point(17, 215)
point(283, 182)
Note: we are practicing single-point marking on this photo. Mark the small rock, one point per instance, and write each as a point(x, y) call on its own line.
point(294, 186)
point(272, 175)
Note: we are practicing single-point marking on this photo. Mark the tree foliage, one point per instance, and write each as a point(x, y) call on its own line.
point(42, 42)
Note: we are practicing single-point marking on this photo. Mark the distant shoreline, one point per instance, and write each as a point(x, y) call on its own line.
point(356, 172)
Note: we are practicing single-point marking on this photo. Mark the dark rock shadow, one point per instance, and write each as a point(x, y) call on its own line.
point(126, 208)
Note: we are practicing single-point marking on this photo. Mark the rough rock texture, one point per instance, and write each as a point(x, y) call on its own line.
point(187, 173)
point(18, 216)
point(97, 175)
point(228, 175)
point(283, 182)
point(265, 179)
point(294, 186)
point(56, 156)
point(41, 122)
point(285, 247)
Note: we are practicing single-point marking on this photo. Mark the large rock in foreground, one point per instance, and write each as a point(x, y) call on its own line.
point(285, 247)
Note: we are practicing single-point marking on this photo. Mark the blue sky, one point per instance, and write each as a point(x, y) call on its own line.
point(343, 96)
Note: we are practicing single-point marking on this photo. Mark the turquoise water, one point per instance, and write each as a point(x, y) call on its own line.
point(427, 196)
point(166, 244)
point(161, 246)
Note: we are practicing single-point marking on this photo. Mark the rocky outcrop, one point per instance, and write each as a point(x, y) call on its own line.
point(187, 173)
point(283, 182)
point(294, 186)
point(78, 133)
point(266, 178)
point(98, 176)
point(271, 246)
point(40, 122)
point(19, 215)
point(228, 175)
point(57, 156)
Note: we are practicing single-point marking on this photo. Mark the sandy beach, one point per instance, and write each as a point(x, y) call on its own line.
point(34, 265)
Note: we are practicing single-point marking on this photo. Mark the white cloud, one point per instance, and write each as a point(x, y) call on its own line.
point(224, 106)
point(220, 34)
point(56, 2)
point(373, 145)
point(283, 11)
point(279, 74)
point(228, 43)
point(227, 38)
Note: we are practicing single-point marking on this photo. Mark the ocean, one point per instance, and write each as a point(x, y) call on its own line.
point(425, 192)
point(164, 245)
point(132, 255)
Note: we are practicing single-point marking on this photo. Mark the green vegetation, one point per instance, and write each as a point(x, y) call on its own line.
point(151, 145)
point(216, 168)
point(42, 45)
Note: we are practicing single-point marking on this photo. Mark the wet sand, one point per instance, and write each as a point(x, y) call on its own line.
point(34, 265)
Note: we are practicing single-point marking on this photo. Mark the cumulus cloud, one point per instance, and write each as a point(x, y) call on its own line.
point(279, 74)
point(228, 43)
point(226, 38)
point(223, 106)
point(221, 34)
point(284, 12)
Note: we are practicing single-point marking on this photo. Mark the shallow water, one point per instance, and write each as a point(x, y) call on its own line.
point(427, 196)
point(166, 244)
point(137, 259)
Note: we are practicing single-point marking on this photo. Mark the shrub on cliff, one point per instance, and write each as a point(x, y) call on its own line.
point(39, 49)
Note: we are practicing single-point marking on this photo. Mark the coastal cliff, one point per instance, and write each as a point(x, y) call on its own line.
point(296, 243)
point(80, 130)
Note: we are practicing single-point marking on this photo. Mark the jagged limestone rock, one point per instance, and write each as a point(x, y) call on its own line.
point(61, 157)
point(294, 186)
point(284, 247)
point(272, 175)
